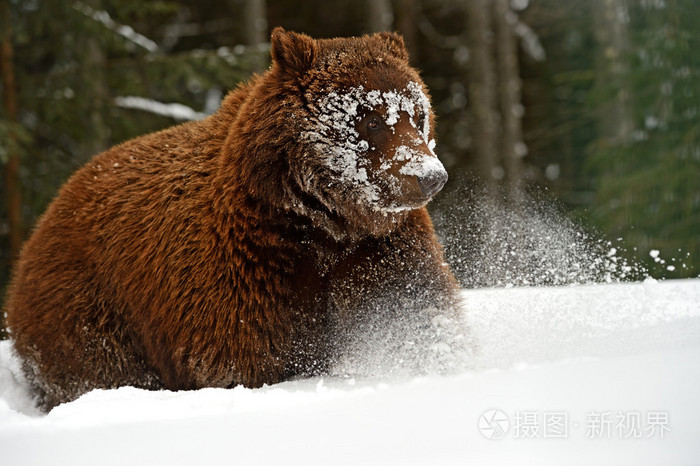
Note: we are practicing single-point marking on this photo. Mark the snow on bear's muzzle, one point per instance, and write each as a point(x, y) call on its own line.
point(430, 174)
point(433, 181)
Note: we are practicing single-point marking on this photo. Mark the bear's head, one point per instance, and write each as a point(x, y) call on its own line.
point(364, 128)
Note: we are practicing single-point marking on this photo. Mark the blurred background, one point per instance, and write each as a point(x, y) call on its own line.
point(592, 105)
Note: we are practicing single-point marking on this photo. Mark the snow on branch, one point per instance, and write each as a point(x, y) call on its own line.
point(528, 38)
point(172, 110)
point(125, 31)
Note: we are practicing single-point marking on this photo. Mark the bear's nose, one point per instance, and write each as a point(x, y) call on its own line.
point(432, 182)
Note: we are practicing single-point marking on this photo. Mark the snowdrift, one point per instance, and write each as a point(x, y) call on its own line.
point(596, 374)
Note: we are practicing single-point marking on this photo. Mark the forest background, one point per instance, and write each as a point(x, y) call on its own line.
point(591, 105)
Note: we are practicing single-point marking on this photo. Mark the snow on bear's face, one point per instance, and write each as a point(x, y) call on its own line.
point(377, 146)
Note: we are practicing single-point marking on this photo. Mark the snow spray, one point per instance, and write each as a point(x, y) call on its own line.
point(488, 244)
point(529, 242)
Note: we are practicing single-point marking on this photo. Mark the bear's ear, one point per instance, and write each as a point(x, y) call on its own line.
point(394, 42)
point(292, 53)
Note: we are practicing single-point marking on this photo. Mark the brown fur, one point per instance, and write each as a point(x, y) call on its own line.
point(202, 255)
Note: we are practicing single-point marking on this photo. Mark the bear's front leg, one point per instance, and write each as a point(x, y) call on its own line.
point(395, 305)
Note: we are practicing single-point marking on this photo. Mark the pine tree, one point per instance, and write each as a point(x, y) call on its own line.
point(648, 179)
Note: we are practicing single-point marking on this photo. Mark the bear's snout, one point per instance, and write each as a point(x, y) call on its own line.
point(432, 182)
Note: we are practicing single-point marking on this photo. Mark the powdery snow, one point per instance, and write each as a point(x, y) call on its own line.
point(617, 367)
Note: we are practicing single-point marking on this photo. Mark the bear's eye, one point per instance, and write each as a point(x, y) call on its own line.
point(374, 123)
point(421, 121)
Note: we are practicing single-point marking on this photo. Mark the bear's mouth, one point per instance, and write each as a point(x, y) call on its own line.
point(397, 209)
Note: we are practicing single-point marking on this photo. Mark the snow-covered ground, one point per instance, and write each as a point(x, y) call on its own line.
point(596, 374)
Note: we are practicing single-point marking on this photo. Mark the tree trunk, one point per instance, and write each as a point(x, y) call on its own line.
point(614, 120)
point(406, 13)
point(380, 15)
point(13, 193)
point(512, 148)
point(611, 18)
point(256, 28)
point(94, 69)
point(255, 16)
point(95, 94)
point(482, 90)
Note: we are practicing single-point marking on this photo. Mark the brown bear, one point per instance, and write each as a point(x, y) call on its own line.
point(241, 249)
